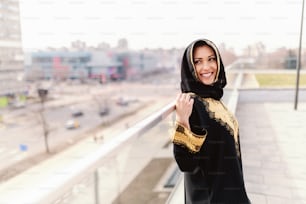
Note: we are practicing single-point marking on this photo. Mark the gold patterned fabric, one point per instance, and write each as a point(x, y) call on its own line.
point(183, 136)
point(218, 111)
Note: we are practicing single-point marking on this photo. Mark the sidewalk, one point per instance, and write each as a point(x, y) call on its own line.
point(273, 151)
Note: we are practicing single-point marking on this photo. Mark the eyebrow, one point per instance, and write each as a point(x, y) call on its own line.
point(202, 58)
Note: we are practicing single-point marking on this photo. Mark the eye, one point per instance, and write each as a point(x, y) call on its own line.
point(211, 59)
point(197, 62)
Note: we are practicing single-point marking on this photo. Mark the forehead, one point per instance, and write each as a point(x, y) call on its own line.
point(204, 50)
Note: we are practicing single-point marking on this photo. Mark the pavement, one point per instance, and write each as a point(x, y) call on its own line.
point(273, 140)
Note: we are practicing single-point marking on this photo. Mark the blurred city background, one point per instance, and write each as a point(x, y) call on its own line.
point(87, 91)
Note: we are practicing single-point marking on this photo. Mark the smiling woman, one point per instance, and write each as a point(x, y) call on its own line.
point(206, 143)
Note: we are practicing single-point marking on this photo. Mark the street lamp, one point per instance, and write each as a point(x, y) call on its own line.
point(298, 64)
point(42, 93)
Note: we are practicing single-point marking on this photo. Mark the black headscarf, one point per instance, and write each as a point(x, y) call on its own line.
point(189, 79)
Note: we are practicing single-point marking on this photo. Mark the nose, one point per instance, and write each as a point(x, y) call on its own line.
point(204, 65)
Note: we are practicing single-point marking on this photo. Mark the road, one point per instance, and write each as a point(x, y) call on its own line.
point(23, 134)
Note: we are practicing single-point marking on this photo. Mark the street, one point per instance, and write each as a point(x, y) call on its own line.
point(23, 135)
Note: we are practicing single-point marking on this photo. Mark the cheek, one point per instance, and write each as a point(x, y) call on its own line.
point(215, 67)
point(197, 69)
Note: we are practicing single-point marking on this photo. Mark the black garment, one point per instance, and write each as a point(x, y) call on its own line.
point(213, 175)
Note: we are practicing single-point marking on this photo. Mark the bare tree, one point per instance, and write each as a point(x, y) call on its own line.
point(43, 96)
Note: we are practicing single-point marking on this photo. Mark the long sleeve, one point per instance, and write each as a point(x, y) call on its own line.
point(186, 145)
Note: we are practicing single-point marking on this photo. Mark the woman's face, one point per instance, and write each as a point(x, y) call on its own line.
point(205, 63)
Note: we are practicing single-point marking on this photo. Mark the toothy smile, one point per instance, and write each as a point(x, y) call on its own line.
point(206, 75)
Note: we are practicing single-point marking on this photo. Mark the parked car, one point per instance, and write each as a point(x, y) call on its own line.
point(75, 112)
point(122, 102)
point(19, 105)
point(72, 124)
point(104, 111)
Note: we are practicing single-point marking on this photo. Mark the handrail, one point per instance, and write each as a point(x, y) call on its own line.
point(48, 188)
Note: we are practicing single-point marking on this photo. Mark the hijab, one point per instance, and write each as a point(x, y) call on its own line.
point(189, 79)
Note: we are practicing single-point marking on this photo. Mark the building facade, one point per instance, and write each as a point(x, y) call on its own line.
point(11, 53)
point(59, 65)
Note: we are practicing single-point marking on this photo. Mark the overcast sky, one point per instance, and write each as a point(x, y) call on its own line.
point(157, 23)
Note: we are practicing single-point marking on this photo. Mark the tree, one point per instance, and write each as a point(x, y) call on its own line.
point(42, 93)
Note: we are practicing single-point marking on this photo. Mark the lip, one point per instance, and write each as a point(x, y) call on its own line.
point(206, 74)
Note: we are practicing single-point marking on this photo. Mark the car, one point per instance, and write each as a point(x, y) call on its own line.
point(77, 113)
point(104, 111)
point(19, 105)
point(72, 124)
point(122, 102)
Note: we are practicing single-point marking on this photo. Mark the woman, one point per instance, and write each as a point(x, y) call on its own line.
point(206, 139)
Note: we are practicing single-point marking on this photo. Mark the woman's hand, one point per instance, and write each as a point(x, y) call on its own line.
point(184, 104)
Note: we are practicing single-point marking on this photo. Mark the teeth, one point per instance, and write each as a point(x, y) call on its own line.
point(206, 74)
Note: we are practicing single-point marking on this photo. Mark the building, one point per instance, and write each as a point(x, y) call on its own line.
point(98, 64)
point(58, 65)
point(62, 65)
point(11, 54)
point(103, 65)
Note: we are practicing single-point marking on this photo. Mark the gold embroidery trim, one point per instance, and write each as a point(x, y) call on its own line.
point(218, 111)
point(183, 136)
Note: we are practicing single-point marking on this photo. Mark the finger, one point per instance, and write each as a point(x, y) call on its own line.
point(182, 98)
point(179, 100)
point(185, 97)
point(188, 97)
point(191, 101)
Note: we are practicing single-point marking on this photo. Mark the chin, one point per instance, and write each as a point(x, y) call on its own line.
point(207, 82)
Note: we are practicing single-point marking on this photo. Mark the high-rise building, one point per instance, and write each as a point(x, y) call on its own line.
point(11, 54)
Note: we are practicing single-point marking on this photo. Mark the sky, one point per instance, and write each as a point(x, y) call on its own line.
point(161, 23)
